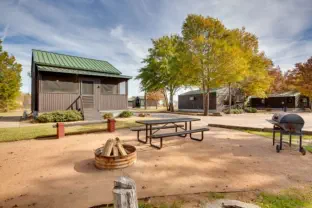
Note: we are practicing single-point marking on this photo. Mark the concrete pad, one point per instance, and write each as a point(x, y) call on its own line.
point(257, 120)
point(61, 173)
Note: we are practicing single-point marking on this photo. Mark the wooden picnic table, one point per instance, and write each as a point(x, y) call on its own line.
point(159, 124)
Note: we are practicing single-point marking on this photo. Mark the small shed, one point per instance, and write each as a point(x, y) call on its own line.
point(290, 99)
point(62, 82)
point(218, 100)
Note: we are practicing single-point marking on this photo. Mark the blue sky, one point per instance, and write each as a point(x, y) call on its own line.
point(120, 31)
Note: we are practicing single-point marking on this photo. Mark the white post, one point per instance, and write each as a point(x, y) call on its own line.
point(125, 193)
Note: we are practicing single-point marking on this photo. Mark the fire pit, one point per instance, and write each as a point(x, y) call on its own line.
point(115, 155)
point(289, 124)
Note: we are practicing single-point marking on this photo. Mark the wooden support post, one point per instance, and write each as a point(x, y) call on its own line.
point(60, 130)
point(125, 193)
point(111, 125)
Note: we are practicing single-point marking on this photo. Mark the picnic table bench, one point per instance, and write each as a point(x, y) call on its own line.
point(167, 124)
point(139, 129)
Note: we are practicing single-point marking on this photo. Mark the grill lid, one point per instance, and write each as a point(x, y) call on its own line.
point(287, 118)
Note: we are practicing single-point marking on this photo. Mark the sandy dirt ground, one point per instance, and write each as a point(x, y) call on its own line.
point(61, 173)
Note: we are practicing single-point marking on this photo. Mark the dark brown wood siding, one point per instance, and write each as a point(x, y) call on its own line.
point(51, 101)
point(185, 102)
point(113, 102)
point(58, 101)
point(273, 102)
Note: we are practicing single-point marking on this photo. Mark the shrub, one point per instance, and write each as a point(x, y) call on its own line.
point(126, 114)
point(60, 116)
point(250, 110)
point(108, 115)
point(234, 111)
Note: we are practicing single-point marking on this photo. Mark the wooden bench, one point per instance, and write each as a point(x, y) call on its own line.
point(143, 128)
point(161, 136)
point(60, 131)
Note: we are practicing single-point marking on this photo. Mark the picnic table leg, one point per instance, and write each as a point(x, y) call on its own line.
point(185, 128)
point(196, 139)
point(151, 133)
point(191, 128)
point(138, 138)
point(146, 134)
point(281, 140)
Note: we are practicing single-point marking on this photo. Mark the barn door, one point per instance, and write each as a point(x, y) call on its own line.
point(87, 94)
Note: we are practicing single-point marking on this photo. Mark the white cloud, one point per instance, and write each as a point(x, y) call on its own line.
point(280, 26)
point(136, 47)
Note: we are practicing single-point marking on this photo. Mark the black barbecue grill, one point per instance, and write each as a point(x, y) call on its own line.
point(289, 124)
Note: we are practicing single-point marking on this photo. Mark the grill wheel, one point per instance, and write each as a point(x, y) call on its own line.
point(278, 149)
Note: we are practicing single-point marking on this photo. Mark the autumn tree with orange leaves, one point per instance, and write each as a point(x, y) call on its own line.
point(300, 78)
point(278, 84)
point(156, 96)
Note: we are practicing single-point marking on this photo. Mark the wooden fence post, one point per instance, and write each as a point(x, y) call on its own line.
point(125, 193)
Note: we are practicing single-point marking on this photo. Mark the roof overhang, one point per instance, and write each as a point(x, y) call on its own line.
point(80, 72)
point(281, 95)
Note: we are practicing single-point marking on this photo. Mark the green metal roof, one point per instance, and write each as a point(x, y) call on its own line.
point(81, 72)
point(73, 62)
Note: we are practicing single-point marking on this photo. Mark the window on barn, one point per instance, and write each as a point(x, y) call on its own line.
point(59, 84)
point(122, 88)
point(87, 88)
point(109, 89)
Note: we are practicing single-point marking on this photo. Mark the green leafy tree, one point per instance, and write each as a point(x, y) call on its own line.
point(10, 80)
point(162, 70)
point(236, 61)
point(216, 56)
point(258, 81)
point(255, 79)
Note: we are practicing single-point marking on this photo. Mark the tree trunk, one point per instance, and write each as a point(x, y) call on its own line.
point(171, 102)
point(230, 98)
point(145, 101)
point(166, 99)
point(244, 101)
point(156, 104)
point(206, 102)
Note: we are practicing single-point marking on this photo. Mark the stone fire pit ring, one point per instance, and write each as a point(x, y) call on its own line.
point(117, 162)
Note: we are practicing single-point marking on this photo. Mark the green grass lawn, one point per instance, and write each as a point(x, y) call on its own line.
point(45, 130)
point(277, 135)
point(290, 198)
